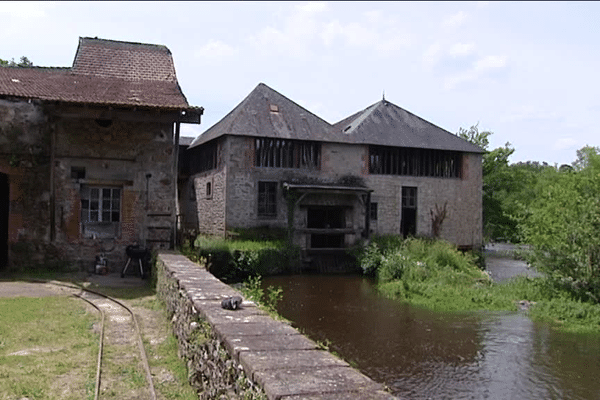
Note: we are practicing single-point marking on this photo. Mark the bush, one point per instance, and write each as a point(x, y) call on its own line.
point(237, 260)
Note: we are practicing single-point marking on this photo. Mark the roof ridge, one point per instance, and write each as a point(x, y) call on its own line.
point(123, 42)
point(362, 116)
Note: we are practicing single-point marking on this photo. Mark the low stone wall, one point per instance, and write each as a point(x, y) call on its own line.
point(245, 353)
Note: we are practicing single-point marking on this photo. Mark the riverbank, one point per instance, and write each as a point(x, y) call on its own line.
point(436, 276)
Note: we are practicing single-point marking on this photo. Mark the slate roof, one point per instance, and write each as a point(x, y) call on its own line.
point(383, 123)
point(267, 113)
point(105, 72)
point(386, 124)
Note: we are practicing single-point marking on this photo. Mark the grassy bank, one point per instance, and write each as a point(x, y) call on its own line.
point(246, 255)
point(435, 275)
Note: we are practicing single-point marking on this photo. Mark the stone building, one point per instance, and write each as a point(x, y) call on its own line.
point(383, 170)
point(88, 154)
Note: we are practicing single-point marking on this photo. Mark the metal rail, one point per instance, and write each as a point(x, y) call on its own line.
point(140, 342)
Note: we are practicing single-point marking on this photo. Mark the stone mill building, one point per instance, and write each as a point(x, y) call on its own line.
point(382, 170)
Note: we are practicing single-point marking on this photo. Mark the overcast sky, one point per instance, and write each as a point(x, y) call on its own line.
point(529, 72)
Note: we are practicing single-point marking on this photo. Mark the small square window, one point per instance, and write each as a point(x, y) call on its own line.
point(77, 173)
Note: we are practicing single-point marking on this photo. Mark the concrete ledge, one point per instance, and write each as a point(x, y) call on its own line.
point(284, 363)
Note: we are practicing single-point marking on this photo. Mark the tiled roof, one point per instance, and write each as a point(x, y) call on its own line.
point(383, 123)
point(105, 72)
point(124, 60)
point(267, 113)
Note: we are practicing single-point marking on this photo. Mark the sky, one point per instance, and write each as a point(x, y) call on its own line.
point(526, 71)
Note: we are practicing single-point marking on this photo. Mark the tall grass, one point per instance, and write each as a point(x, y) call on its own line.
point(436, 275)
point(237, 260)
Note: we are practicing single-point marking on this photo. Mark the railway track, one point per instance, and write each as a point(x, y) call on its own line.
point(118, 322)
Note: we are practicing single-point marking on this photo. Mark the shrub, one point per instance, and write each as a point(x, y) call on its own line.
point(237, 260)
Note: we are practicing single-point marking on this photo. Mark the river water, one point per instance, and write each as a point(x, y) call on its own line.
point(421, 354)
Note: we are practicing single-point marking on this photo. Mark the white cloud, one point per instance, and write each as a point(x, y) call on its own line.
point(490, 62)
point(455, 20)
point(432, 55)
point(566, 143)
point(24, 9)
point(531, 113)
point(215, 50)
point(461, 49)
point(313, 7)
point(365, 35)
point(480, 69)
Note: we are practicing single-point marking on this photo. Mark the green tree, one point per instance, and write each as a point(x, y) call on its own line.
point(563, 226)
point(497, 222)
point(24, 62)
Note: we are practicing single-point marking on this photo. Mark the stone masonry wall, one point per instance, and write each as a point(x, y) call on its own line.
point(136, 157)
point(244, 353)
point(120, 155)
point(462, 226)
point(25, 160)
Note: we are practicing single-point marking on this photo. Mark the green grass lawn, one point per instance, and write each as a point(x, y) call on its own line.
point(48, 349)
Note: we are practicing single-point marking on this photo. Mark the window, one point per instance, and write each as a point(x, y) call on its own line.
point(283, 153)
point(100, 211)
point(409, 197)
point(267, 199)
point(77, 173)
point(385, 160)
point(373, 212)
point(208, 190)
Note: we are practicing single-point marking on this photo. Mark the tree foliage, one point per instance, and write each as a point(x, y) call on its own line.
point(497, 222)
point(563, 225)
point(24, 62)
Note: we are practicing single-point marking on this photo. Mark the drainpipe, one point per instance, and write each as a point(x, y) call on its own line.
point(52, 178)
point(368, 216)
point(176, 181)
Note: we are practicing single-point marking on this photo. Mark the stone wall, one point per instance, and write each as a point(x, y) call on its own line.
point(136, 157)
point(234, 202)
point(244, 353)
point(130, 153)
point(463, 224)
point(25, 161)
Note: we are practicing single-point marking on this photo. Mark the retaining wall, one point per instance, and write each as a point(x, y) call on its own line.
point(245, 353)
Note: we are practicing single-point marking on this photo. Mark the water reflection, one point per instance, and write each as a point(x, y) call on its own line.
point(422, 354)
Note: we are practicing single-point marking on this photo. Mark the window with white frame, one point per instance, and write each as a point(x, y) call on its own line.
point(100, 211)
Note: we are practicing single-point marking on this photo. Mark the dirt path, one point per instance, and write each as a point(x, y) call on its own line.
point(123, 375)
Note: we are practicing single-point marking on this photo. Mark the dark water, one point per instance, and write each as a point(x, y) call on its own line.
point(420, 354)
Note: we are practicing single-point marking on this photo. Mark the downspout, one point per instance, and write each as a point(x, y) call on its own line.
point(176, 182)
point(368, 216)
point(52, 178)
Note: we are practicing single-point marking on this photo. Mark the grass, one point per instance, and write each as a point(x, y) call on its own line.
point(170, 372)
point(48, 349)
point(435, 275)
point(45, 344)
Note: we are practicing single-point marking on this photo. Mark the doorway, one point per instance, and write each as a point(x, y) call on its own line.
point(408, 222)
point(326, 218)
point(4, 209)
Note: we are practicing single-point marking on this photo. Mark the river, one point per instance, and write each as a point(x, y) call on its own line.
point(421, 354)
